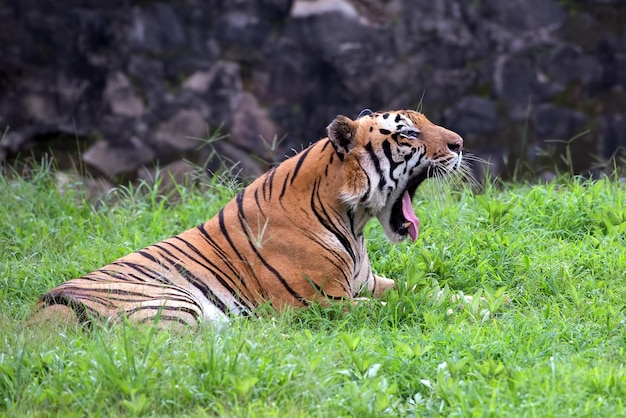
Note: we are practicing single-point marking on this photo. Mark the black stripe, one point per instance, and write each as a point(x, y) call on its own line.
point(338, 255)
point(268, 182)
point(226, 259)
point(300, 162)
point(222, 224)
point(148, 256)
point(342, 268)
point(284, 188)
point(92, 296)
point(374, 158)
point(392, 163)
point(374, 288)
point(92, 278)
point(114, 274)
point(113, 291)
point(335, 298)
point(193, 279)
point(221, 254)
point(163, 318)
point(146, 298)
point(83, 313)
point(144, 271)
point(165, 308)
point(234, 248)
point(351, 216)
point(162, 308)
point(369, 184)
point(326, 220)
point(268, 266)
point(213, 269)
point(258, 203)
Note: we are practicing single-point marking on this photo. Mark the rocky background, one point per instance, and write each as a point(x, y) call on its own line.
point(116, 87)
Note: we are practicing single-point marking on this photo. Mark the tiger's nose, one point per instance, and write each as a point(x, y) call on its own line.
point(456, 145)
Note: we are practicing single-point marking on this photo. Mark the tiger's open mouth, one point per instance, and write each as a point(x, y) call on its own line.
point(403, 220)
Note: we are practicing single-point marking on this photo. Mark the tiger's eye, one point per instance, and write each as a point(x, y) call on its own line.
point(409, 133)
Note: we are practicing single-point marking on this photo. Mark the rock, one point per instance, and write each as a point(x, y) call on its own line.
point(473, 115)
point(554, 122)
point(307, 8)
point(96, 189)
point(564, 131)
point(180, 172)
point(252, 129)
point(183, 132)
point(517, 79)
point(12, 142)
point(235, 161)
point(243, 35)
point(199, 81)
point(113, 161)
point(156, 28)
point(567, 63)
point(121, 96)
point(40, 108)
point(523, 15)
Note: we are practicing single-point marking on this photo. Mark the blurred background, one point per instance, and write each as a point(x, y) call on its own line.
point(119, 87)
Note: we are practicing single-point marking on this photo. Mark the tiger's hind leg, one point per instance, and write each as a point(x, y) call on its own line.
point(45, 316)
point(61, 315)
point(60, 309)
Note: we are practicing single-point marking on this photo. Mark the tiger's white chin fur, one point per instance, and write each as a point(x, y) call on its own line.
point(392, 236)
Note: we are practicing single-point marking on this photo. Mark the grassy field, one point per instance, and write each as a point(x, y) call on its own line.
point(548, 338)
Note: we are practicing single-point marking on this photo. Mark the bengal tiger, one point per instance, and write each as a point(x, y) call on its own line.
point(292, 237)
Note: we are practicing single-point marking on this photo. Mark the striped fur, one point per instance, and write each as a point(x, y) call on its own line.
point(293, 236)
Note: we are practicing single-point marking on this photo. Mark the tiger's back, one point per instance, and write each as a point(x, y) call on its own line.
point(293, 236)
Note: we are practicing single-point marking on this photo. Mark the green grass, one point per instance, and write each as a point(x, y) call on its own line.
point(549, 338)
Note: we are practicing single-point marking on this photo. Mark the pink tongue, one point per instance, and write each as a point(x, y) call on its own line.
point(409, 215)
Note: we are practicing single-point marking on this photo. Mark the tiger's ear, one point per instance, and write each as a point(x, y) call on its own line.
point(364, 112)
point(342, 134)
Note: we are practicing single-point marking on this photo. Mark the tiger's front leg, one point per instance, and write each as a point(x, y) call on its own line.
point(381, 285)
point(377, 285)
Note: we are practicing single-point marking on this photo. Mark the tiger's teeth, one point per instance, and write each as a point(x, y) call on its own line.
point(406, 225)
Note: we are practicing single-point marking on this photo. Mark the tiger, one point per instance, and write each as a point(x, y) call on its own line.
point(291, 238)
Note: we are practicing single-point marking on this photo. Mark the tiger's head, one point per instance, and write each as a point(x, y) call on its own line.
point(386, 156)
